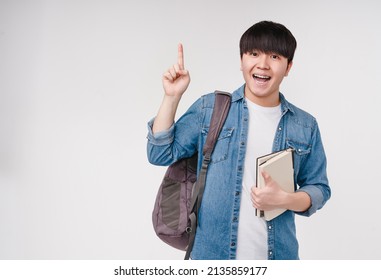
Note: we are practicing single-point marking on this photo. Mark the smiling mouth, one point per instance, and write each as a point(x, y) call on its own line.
point(261, 78)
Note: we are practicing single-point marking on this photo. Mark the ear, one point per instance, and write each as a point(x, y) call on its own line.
point(288, 68)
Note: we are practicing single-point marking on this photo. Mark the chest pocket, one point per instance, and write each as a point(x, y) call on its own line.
point(221, 150)
point(301, 151)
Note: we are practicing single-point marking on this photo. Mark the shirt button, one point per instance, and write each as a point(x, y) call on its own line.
point(242, 143)
point(280, 128)
point(232, 244)
point(269, 227)
point(271, 252)
point(237, 193)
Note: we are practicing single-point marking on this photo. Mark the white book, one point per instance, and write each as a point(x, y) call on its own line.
point(280, 166)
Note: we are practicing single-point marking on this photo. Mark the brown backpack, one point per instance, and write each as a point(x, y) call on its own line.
point(174, 216)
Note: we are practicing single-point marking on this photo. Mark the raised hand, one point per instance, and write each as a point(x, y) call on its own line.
point(175, 83)
point(176, 79)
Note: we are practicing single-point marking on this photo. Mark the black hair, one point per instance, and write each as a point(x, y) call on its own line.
point(268, 37)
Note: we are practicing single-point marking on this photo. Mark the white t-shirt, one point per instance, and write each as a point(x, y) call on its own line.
point(252, 231)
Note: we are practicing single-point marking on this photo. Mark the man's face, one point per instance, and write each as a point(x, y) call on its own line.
point(263, 74)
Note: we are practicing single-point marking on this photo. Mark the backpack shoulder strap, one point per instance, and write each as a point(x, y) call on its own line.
point(220, 112)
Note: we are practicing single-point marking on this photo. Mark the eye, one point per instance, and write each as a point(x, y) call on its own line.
point(274, 56)
point(253, 53)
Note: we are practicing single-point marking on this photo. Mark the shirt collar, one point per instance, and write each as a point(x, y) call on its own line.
point(240, 94)
point(285, 105)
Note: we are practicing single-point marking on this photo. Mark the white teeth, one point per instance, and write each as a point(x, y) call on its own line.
point(262, 77)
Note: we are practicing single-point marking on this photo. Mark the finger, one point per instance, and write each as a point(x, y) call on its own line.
point(253, 194)
point(184, 72)
point(178, 72)
point(168, 76)
point(177, 69)
point(266, 177)
point(255, 202)
point(173, 72)
point(180, 54)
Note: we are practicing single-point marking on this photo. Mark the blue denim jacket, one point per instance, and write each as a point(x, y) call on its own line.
point(216, 235)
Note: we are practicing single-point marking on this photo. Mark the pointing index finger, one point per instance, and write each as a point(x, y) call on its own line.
point(180, 59)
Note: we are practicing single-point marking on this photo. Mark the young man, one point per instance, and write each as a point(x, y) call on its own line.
point(260, 121)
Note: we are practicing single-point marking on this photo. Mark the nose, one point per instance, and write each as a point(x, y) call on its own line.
point(263, 61)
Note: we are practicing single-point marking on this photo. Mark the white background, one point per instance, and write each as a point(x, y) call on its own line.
point(80, 79)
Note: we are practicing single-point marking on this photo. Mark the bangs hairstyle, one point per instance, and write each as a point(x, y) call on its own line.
point(268, 37)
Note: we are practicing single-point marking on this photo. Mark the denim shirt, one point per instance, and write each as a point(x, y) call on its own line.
point(216, 234)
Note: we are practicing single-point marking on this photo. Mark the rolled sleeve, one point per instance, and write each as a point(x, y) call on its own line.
point(160, 138)
point(317, 199)
point(312, 177)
